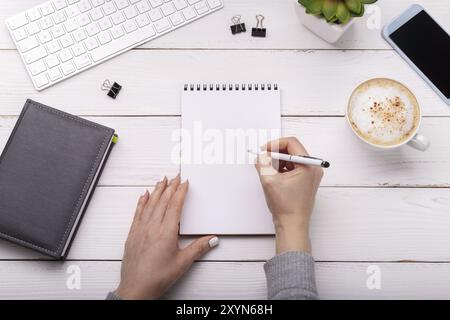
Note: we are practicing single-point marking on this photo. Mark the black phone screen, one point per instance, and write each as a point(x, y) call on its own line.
point(427, 45)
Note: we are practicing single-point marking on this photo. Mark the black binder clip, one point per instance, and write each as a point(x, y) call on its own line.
point(237, 26)
point(113, 90)
point(259, 31)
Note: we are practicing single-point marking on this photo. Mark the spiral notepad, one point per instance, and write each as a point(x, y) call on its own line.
point(220, 122)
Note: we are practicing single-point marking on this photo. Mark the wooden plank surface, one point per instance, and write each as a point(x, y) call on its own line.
point(144, 152)
point(374, 206)
point(349, 224)
point(225, 280)
point(312, 82)
point(284, 28)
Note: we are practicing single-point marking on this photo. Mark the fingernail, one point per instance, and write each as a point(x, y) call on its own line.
point(213, 242)
point(144, 193)
point(183, 184)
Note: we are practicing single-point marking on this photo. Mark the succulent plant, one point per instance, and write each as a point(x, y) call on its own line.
point(336, 11)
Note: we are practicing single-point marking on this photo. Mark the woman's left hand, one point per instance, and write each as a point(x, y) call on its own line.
point(153, 261)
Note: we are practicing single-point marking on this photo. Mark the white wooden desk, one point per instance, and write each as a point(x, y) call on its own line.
point(389, 209)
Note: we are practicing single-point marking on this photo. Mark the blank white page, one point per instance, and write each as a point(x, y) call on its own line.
point(225, 195)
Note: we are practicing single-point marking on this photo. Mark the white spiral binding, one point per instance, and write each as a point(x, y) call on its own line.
point(231, 87)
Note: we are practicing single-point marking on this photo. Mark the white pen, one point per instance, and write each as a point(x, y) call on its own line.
point(306, 160)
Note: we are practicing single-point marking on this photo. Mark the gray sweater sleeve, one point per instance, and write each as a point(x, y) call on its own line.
point(112, 296)
point(290, 276)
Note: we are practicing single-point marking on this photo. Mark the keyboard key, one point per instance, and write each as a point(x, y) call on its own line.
point(65, 55)
point(60, 4)
point(53, 47)
point(176, 18)
point(58, 31)
point(189, 13)
point(108, 8)
point(180, 4)
point(73, 1)
point(52, 61)
point(104, 38)
point(117, 32)
point(59, 17)
point(168, 9)
point(45, 36)
point(71, 25)
point(72, 12)
point(68, 68)
point(156, 3)
point(143, 6)
point(117, 18)
point(83, 20)
point(46, 23)
point(37, 67)
point(162, 25)
point(84, 6)
point(105, 24)
point(79, 35)
point(131, 39)
point(155, 15)
point(97, 3)
point(54, 74)
point(96, 14)
point(121, 4)
point(142, 20)
point(82, 61)
point(33, 28)
point(35, 55)
point(41, 80)
point(78, 49)
point(33, 14)
point(66, 41)
point(92, 29)
point(20, 34)
point(201, 7)
point(214, 3)
point(91, 44)
point(130, 12)
point(192, 2)
point(28, 44)
point(130, 26)
point(47, 8)
point(18, 21)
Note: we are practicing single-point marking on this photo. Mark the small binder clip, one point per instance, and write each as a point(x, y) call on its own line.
point(259, 31)
point(113, 90)
point(237, 26)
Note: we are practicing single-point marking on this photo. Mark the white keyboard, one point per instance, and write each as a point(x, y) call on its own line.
point(61, 38)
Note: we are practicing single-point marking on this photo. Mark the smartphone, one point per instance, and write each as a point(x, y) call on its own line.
point(425, 45)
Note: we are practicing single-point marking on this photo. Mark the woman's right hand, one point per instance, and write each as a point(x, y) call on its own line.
point(290, 191)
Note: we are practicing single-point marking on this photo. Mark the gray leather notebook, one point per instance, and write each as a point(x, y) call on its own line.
point(48, 171)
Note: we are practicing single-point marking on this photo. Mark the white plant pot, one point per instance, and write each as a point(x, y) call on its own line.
point(330, 32)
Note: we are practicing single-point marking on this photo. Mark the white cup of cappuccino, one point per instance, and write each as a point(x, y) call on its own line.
point(385, 114)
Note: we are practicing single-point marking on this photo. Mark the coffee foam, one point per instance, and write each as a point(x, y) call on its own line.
point(384, 112)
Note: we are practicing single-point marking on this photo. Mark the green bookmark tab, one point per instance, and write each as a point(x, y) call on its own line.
point(115, 139)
